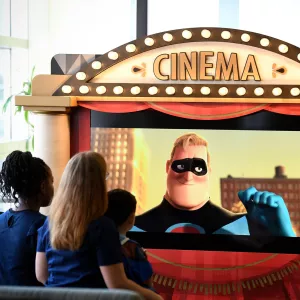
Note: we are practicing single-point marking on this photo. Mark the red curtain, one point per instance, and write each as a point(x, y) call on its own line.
point(192, 275)
point(196, 111)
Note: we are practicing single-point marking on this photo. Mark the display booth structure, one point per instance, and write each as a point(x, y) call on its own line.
point(197, 74)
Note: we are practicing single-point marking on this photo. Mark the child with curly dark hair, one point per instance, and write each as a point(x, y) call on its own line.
point(27, 182)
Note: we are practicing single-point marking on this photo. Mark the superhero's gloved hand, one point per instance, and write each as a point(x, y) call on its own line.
point(268, 210)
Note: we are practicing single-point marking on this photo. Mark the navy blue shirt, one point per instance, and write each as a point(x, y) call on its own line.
point(80, 268)
point(18, 240)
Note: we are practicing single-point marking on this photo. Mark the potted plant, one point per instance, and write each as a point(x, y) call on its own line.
point(26, 91)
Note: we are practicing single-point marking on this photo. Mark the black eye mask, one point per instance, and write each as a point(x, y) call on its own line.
point(196, 165)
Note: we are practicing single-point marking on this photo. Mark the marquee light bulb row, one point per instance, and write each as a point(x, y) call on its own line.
point(173, 37)
point(205, 33)
point(186, 34)
point(187, 90)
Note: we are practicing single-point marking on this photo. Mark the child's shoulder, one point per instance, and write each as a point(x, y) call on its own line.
point(133, 250)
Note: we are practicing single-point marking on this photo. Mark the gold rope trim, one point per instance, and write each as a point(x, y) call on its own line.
point(234, 114)
point(228, 288)
point(211, 269)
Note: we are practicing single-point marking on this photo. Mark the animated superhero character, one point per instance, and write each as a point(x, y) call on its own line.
point(187, 207)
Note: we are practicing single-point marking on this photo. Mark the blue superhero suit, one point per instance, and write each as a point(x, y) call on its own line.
point(266, 215)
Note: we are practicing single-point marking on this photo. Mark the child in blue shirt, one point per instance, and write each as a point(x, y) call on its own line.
point(28, 182)
point(121, 209)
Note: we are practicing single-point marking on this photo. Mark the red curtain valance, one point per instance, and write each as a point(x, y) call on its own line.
point(196, 111)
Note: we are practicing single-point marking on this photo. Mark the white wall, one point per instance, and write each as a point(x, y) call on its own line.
point(276, 18)
point(96, 26)
point(77, 26)
point(166, 15)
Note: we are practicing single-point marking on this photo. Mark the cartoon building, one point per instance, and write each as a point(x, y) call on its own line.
point(288, 188)
point(127, 157)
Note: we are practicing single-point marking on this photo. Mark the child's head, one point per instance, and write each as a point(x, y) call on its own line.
point(26, 179)
point(121, 209)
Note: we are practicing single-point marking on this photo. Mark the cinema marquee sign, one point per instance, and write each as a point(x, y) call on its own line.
point(195, 63)
point(197, 67)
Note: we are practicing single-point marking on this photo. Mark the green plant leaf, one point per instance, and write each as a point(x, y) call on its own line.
point(29, 91)
point(32, 73)
point(6, 104)
point(18, 109)
point(32, 142)
point(26, 117)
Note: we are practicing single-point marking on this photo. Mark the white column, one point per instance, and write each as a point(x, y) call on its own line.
point(52, 143)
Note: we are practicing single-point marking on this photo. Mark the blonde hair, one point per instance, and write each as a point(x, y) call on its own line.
point(190, 139)
point(81, 197)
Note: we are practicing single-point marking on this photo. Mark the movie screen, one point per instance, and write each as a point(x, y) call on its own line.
point(231, 182)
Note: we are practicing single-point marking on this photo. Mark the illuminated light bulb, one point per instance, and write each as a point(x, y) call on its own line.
point(149, 42)
point(277, 91)
point(66, 89)
point(80, 75)
point(96, 65)
point(187, 90)
point(223, 91)
point(241, 91)
point(168, 37)
point(170, 90)
point(186, 34)
point(113, 55)
point(153, 90)
point(283, 48)
point(118, 90)
point(130, 48)
point(298, 56)
point(205, 33)
point(205, 90)
point(295, 92)
point(84, 89)
point(259, 91)
point(226, 35)
point(135, 90)
point(264, 42)
point(245, 37)
point(101, 90)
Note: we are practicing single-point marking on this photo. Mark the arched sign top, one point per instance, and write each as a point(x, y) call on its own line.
point(194, 62)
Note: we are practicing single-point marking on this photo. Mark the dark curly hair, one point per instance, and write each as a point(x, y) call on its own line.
point(121, 204)
point(21, 176)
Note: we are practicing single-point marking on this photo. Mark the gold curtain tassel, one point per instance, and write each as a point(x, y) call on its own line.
point(261, 282)
point(180, 284)
point(270, 280)
point(215, 289)
point(206, 290)
point(174, 284)
point(273, 277)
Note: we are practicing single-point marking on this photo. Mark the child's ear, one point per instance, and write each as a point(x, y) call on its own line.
point(43, 187)
point(131, 218)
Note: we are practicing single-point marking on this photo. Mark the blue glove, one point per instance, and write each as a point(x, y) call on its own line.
point(268, 210)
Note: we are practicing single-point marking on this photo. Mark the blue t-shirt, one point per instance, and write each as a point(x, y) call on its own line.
point(80, 268)
point(18, 240)
point(136, 265)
